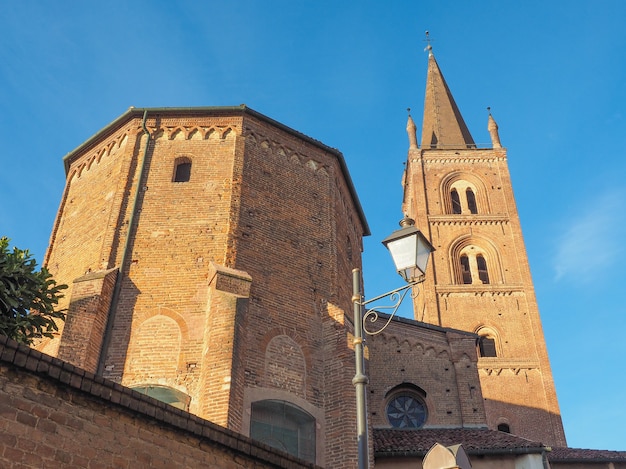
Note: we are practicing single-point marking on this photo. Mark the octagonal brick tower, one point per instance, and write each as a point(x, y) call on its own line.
point(209, 253)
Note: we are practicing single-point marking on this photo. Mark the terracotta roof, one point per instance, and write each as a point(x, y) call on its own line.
point(397, 442)
point(585, 455)
point(404, 442)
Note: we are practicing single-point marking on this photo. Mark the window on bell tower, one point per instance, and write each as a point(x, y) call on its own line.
point(487, 346)
point(471, 201)
point(465, 270)
point(482, 268)
point(456, 202)
point(487, 343)
point(462, 199)
point(472, 267)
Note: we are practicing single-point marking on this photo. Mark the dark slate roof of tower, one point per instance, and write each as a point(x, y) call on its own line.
point(443, 126)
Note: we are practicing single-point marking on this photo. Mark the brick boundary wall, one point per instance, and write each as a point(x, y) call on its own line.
point(55, 415)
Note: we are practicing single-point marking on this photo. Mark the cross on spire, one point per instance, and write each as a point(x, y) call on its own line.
point(429, 48)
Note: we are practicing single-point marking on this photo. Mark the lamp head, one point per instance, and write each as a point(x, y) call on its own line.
point(409, 249)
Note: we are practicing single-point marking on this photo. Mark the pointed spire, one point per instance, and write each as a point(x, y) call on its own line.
point(411, 130)
point(493, 131)
point(443, 125)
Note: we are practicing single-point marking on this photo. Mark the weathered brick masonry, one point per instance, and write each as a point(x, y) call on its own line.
point(231, 285)
point(55, 415)
point(479, 278)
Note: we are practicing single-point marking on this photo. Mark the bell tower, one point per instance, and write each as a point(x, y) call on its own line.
point(460, 195)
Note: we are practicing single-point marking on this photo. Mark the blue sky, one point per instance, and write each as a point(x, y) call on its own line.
point(553, 73)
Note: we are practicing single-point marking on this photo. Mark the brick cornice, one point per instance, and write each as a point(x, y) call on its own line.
point(479, 290)
point(466, 220)
point(491, 366)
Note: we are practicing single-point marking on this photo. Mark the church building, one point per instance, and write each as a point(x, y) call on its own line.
point(209, 253)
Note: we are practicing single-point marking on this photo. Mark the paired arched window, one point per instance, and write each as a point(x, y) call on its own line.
point(463, 198)
point(474, 260)
point(182, 169)
point(473, 267)
point(285, 426)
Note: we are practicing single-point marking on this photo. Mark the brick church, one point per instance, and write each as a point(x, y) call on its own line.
point(209, 253)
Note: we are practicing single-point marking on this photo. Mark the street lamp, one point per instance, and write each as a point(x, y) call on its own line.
point(410, 251)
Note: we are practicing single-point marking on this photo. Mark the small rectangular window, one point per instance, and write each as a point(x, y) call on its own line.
point(183, 172)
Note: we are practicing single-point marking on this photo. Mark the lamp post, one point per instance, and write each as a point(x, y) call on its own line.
point(410, 251)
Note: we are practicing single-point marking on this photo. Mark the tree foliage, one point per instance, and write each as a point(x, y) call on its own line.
point(27, 297)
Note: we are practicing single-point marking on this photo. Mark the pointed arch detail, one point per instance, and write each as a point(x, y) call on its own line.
point(475, 260)
point(489, 343)
point(463, 193)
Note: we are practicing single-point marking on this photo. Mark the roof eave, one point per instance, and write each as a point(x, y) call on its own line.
point(242, 109)
point(471, 452)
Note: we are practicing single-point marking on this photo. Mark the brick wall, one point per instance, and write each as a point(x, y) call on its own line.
point(233, 281)
point(86, 322)
point(441, 362)
point(506, 305)
point(53, 414)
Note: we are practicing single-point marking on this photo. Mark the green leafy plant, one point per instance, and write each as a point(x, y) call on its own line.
point(28, 297)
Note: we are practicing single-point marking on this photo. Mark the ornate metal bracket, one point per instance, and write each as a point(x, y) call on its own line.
point(396, 297)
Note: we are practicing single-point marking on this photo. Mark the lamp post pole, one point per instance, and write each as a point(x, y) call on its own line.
point(410, 251)
point(360, 379)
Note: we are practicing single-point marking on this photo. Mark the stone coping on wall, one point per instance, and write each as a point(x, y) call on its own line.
point(63, 374)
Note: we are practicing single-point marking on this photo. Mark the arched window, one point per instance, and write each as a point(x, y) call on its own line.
point(284, 426)
point(482, 268)
point(465, 270)
point(170, 396)
point(182, 170)
point(471, 201)
point(456, 202)
point(504, 427)
point(473, 263)
point(487, 346)
point(463, 194)
point(406, 407)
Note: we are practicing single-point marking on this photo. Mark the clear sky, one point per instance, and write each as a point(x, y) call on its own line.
point(344, 72)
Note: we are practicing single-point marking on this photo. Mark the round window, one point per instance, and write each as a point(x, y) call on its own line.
point(406, 411)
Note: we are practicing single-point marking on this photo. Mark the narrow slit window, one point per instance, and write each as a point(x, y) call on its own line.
point(481, 263)
point(466, 274)
point(471, 201)
point(456, 202)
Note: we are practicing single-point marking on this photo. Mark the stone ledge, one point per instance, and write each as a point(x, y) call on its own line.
point(227, 280)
